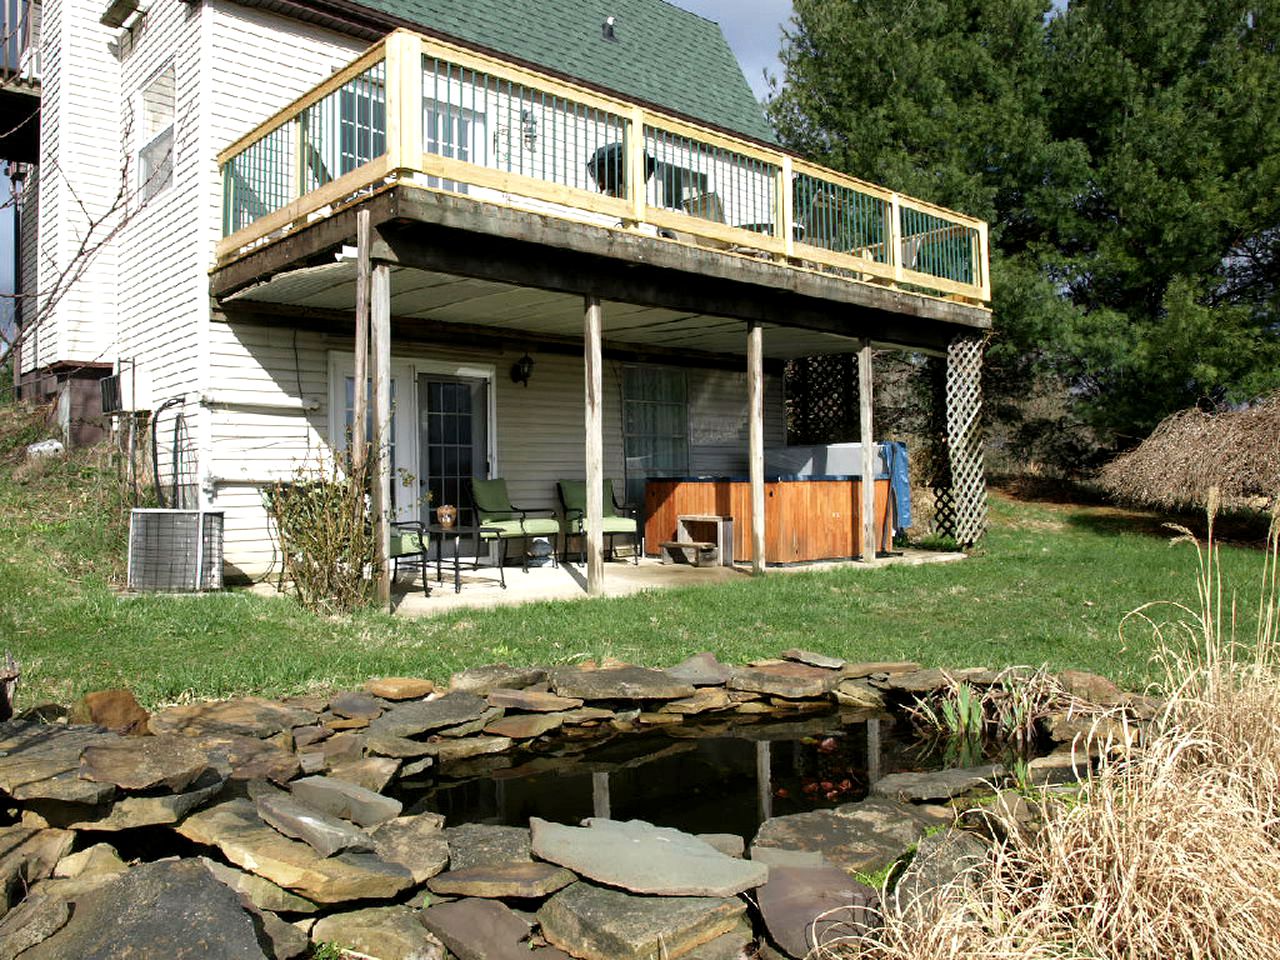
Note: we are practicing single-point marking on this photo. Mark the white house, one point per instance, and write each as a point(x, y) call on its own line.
point(204, 167)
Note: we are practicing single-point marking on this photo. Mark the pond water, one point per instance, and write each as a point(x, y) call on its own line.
point(702, 778)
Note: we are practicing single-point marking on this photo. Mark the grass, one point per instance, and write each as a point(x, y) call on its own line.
point(1048, 586)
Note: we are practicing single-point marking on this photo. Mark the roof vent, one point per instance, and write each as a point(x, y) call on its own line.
point(606, 28)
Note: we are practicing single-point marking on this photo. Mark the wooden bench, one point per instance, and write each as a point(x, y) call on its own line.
point(699, 553)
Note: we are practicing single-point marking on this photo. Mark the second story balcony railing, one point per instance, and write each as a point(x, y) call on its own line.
point(417, 110)
point(19, 41)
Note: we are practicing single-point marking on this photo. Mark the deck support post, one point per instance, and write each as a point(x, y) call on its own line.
point(592, 362)
point(380, 441)
point(600, 805)
point(870, 531)
point(755, 441)
point(360, 371)
point(873, 750)
point(764, 779)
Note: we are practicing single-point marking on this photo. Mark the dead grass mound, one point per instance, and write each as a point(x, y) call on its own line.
point(1192, 452)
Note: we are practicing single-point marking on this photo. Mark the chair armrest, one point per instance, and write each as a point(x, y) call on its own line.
point(415, 525)
point(532, 511)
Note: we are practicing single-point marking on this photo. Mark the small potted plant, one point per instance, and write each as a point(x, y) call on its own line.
point(446, 515)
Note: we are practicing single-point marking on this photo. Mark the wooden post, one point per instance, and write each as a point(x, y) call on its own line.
point(873, 750)
point(600, 805)
point(594, 447)
point(755, 441)
point(869, 529)
point(360, 373)
point(764, 780)
point(380, 474)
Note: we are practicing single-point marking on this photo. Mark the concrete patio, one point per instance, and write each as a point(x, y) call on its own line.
point(480, 588)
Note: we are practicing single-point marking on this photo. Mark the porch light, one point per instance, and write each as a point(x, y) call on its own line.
point(529, 127)
point(522, 370)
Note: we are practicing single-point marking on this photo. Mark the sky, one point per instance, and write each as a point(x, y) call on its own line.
point(753, 29)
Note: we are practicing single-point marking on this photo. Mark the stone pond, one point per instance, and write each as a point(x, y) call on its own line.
point(603, 812)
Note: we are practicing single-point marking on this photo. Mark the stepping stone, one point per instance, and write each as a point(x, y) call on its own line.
point(938, 785)
point(855, 837)
point(534, 701)
point(642, 858)
point(479, 930)
point(117, 710)
point(703, 700)
point(168, 762)
point(171, 908)
point(415, 842)
point(236, 829)
point(389, 933)
point(595, 923)
point(251, 758)
point(813, 659)
point(325, 834)
point(803, 907)
point(525, 727)
point(523, 880)
point(356, 706)
point(485, 845)
point(419, 717)
point(400, 688)
point(794, 681)
point(497, 676)
point(618, 683)
point(249, 716)
point(372, 773)
point(700, 670)
point(259, 891)
point(346, 800)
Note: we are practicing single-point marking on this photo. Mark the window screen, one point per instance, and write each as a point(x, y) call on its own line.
point(155, 133)
point(655, 427)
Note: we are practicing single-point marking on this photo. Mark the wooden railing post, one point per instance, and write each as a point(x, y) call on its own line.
point(895, 236)
point(404, 100)
point(982, 274)
point(786, 206)
point(636, 178)
point(870, 529)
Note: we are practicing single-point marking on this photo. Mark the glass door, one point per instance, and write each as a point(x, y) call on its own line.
point(453, 446)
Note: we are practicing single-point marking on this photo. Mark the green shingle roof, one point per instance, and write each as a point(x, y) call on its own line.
point(663, 55)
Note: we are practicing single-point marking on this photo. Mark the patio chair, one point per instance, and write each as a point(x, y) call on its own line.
point(573, 498)
point(494, 509)
point(409, 541)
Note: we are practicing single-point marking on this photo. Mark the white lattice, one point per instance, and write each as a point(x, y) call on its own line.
point(964, 439)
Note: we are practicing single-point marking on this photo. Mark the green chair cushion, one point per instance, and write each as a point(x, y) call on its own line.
point(406, 542)
point(532, 527)
point(608, 525)
point(573, 494)
point(492, 501)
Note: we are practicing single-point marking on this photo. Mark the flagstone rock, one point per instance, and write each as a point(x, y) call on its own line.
point(338, 724)
point(533, 701)
point(587, 715)
point(235, 828)
point(618, 683)
point(33, 921)
point(325, 834)
point(941, 859)
point(372, 773)
point(252, 759)
point(357, 706)
point(862, 836)
point(450, 750)
point(703, 700)
point(66, 787)
point(497, 676)
point(880, 668)
point(935, 785)
point(28, 855)
point(523, 880)
point(306, 736)
point(802, 906)
point(248, 716)
point(730, 844)
point(385, 745)
point(525, 726)
point(33, 753)
point(700, 670)
point(416, 842)
point(642, 858)
point(259, 891)
point(794, 681)
point(286, 941)
point(100, 859)
point(388, 933)
point(927, 681)
point(780, 857)
point(486, 845)
point(859, 694)
point(421, 716)
point(596, 923)
point(477, 929)
point(349, 801)
point(733, 945)
point(130, 812)
point(471, 726)
point(813, 659)
point(172, 908)
point(399, 688)
point(116, 710)
point(343, 747)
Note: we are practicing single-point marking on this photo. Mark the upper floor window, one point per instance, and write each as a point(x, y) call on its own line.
point(155, 134)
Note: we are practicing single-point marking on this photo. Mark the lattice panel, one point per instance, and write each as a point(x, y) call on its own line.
point(822, 399)
point(968, 487)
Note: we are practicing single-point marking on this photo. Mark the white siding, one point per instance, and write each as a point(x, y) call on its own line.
point(718, 421)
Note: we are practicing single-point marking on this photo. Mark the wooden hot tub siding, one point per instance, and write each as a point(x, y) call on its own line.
point(803, 519)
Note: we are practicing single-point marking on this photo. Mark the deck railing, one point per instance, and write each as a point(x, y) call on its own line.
point(421, 111)
point(19, 40)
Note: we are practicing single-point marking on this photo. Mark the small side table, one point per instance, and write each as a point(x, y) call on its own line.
point(456, 533)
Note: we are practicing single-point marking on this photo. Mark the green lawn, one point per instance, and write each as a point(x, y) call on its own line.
point(1050, 584)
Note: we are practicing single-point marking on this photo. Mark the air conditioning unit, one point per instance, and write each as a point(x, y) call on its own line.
point(175, 551)
point(125, 390)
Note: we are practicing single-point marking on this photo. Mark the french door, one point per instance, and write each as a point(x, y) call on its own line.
point(453, 439)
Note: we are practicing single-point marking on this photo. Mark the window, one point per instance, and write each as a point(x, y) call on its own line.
point(362, 123)
point(155, 133)
point(655, 428)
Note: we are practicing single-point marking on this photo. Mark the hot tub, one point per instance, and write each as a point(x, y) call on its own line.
point(805, 517)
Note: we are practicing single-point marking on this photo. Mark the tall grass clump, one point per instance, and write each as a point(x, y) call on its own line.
point(1172, 848)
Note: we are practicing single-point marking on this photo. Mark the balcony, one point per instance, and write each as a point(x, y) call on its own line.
point(418, 113)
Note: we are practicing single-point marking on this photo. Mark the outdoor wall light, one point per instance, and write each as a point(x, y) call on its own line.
point(522, 370)
point(529, 128)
